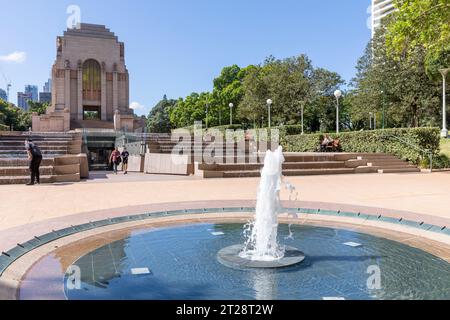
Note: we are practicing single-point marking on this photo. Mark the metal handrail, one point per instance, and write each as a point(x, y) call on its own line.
point(427, 152)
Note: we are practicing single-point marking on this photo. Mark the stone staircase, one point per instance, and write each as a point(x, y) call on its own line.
point(303, 164)
point(385, 163)
point(61, 160)
point(248, 163)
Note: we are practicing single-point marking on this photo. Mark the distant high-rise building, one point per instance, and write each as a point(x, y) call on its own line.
point(22, 100)
point(45, 97)
point(380, 10)
point(48, 86)
point(33, 92)
point(3, 95)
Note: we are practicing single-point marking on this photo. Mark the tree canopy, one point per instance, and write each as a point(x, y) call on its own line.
point(13, 117)
point(399, 89)
point(158, 119)
point(291, 83)
point(421, 23)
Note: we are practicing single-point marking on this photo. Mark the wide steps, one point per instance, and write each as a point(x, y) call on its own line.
point(314, 165)
point(326, 171)
point(399, 170)
point(43, 143)
point(43, 178)
point(23, 171)
point(42, 148)
point(303, 172)
point(388, 163)
point(16, 162)
point(23, 179)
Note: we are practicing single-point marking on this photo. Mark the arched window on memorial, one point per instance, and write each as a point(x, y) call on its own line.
point(92, 84)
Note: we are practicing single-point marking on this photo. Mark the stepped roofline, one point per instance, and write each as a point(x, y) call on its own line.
point(91, 31)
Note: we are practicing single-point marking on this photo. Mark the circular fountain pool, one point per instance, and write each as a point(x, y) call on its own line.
point(181, 263)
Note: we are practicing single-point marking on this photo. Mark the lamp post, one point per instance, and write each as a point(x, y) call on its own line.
point(337, 94)
point(444, 132)
point(302, 111)
point(384, 116)
point(206, 112)
point(269, 103)
point(370, 120)
point(231, 113)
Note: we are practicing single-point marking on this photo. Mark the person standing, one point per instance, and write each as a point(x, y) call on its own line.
point(115, 159)
point(35, 158)
point(125, 154)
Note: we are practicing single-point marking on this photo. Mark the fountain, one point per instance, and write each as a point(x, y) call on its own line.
point(261, 249)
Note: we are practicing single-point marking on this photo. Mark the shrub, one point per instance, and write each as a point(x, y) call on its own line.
point(440, 161)
point(404, 143)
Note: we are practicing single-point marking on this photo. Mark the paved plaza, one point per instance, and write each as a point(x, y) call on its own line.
point(421, 193)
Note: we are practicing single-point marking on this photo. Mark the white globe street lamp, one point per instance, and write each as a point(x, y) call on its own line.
point(231, 113)
point(206, 112)
point(337, 94)
point(444, 132)
point(269, 103)
point(302, 112)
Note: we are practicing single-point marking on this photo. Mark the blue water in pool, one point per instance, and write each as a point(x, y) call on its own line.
point(183, 265)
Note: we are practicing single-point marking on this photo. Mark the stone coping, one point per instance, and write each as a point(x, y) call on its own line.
point(38, 240)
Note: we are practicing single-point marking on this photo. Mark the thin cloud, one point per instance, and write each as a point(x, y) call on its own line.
point(16, 57)
point(136, 106)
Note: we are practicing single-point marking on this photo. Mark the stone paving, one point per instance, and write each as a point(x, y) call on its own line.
point(427, 194)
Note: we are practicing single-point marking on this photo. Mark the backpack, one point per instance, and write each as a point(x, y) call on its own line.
point(35, 151)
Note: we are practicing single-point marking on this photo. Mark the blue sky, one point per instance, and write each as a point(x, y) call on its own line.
point(176, 47)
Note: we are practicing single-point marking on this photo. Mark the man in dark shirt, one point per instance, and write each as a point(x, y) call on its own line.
point(35, 157)
point(125, 154)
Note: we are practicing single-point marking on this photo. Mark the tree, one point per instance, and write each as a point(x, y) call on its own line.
point(291, 83)
point(13, 117)
point(227, 89)
point(421, 23)
point(399, 89)
point(255, 94)
point(38, 107)
point(321, 111)
point(158, 119)
point(192, 108)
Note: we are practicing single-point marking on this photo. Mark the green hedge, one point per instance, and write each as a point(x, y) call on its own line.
point(373, 141)
point(4, 127)
point(440, 161)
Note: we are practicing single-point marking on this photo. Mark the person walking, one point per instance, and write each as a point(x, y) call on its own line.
point(115, 159)
point(125, 154)
point(35, 158)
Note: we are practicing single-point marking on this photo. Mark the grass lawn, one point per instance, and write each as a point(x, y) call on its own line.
point(445, 147)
